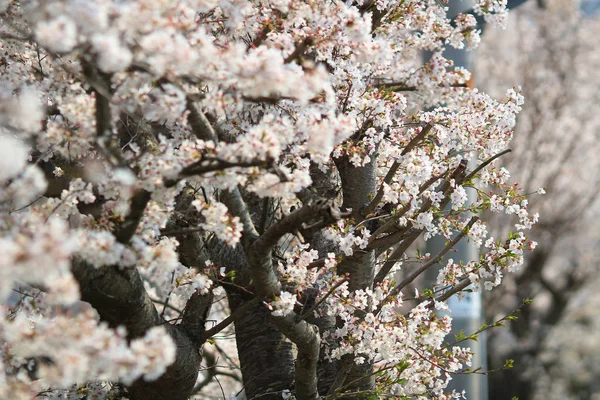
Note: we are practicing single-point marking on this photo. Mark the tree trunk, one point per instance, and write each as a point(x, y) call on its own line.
point(266, 356)
point(358, 187)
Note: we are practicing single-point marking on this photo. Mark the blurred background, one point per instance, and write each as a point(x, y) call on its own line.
point(551, 48)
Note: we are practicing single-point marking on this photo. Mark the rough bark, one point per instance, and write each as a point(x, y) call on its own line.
point(358, 188)
point(120, 299)
point(266, 357)
point(326, 184)
point(303, 334)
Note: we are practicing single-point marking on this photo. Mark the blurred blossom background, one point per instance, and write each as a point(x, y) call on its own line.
point(552, 49)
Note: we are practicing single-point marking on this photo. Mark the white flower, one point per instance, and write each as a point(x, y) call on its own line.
point(100, 248)
point(478, 232)
point(459, 198)
point(219, 221)
point(13, 156)
point(112, 55)
point(58, 172)
point(424, 221)
point(27, 113)
point(158, 348)
point(90, 16)
point(58, 35)
point(284, 304)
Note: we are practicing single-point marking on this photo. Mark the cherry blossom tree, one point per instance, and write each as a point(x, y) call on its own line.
point(551, 52)
point(287, 155)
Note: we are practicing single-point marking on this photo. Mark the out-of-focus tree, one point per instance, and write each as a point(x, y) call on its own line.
point(568, 367)
point(553, 52)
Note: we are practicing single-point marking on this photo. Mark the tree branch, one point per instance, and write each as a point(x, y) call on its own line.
point(395, 256)
point(230, 319)
point(119, 296)
point(409, 279)
point(233, 199)
point(306, 338)
point(199, 123)
point(238, 207)
point(211, 371)
point(259, 254)
point(299, 50)
point(120, 299)
point(485, 164)
point(391, 222)
point(322, 299)
point(462, 285)
point(126, 229)
point(194, 316)
point(211, 165)
point(401, 87)
point(387, 241)
point(101, 87)
point(377, 241)
point(394, 168)
point(304, 335)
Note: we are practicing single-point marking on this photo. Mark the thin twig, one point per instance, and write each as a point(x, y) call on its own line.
point(212, 165)
point(400, 213)
point(459, 287)
point(233, 285)
point(27, 205)
point(485, 164)
point(409, 279)
point(163, 303)
point(400, 87)
point(231, 318)
point(394, 168)
point(321, 300)
point(181, 231)
point(393, 259)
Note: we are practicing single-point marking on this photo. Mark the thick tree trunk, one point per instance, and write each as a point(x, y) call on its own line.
point(358, 187)
point(120, 299)
point(266, 356)
point(178, 382)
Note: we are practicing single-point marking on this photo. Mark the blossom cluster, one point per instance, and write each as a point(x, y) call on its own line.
point(92, 351)
point(391, 339)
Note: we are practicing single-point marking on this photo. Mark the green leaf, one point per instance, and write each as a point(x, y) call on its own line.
point(474, 338)
point(402, 366)
point(460, 335)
